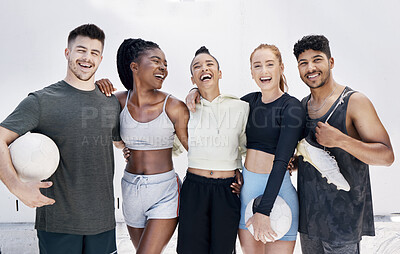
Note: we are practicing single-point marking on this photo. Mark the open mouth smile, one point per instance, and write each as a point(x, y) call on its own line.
point(85, 65)
point(313, 76)
point(205, 76)
point(265, 79)
point(160, 76)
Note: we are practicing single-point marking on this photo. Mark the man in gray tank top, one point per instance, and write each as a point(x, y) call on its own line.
point(345, 124)
point(75, 206)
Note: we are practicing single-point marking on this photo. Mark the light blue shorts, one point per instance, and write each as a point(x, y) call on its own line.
point(147, 197)
point(254, 186)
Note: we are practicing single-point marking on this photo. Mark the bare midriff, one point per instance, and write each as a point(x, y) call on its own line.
point(149, 162)
point(258, 161)
point(212, 173)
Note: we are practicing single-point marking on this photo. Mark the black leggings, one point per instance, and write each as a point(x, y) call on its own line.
point(209, 216)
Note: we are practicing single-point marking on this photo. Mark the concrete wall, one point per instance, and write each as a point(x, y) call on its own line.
point(364, 38)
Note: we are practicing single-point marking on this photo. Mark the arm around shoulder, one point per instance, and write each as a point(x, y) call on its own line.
point(121, 96)
point(179, 114)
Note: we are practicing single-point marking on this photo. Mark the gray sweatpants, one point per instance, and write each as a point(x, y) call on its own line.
point(316, 246)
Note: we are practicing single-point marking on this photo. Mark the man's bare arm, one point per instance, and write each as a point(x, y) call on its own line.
point(368, 139)
point(29, 193)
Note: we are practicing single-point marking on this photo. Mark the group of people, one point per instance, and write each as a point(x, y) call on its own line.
point(75, 207)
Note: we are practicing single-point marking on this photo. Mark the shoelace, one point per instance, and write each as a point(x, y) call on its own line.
point(332, 158)
point(139, 181)
point(341, 100)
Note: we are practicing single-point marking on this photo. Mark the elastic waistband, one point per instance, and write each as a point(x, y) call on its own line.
point(202, 179)
point(252, 174)
point(150, 179)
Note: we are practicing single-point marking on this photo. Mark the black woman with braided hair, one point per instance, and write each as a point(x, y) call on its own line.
point(209, 207)
point(149, 121)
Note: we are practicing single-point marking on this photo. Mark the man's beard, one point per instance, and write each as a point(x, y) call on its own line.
point(74, 69)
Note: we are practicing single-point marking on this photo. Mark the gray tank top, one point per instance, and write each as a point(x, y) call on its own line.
point(153, 135)
point(326, 213)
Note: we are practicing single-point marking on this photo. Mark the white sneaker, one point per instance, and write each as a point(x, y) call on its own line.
point(324, 163)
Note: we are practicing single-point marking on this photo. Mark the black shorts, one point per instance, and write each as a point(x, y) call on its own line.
point(209, 216)
point(103, 243)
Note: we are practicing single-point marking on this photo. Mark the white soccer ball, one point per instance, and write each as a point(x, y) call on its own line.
point(35, 157)
point(280, 217)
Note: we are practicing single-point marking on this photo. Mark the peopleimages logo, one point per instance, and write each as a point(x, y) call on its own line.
point(107, 116)
point(230, 119)
point(211, 141)
point(274, 117)
point(97, 140)
point(148, 140)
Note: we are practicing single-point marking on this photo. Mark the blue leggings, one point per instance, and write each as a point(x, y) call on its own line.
point(254, 186)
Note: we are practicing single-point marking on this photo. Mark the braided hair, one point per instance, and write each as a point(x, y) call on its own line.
point(202, 50)
point(130, 51)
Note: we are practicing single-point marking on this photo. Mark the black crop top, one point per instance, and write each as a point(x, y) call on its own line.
point(274, 128)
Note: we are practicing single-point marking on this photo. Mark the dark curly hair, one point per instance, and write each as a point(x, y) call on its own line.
point(89, 30)
point(202, 50)
point(130, 51)
point(314, 42)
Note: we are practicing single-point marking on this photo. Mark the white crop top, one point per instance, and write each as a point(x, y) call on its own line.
point(154, 135)
point(217, 136)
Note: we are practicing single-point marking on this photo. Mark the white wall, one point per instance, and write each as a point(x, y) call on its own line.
point(364, 38)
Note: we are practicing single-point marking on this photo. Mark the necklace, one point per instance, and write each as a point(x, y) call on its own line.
point(323, 104)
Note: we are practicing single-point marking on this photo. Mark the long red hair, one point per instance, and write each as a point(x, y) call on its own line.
point(282, 82)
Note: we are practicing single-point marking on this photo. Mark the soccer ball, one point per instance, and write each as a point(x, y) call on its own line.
point(280, 217)
point(35, 157)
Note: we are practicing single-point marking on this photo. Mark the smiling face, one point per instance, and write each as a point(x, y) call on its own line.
point(314, 68)
point(84, 56)
point(266, 69)
point(152, 68)
point(205, 71)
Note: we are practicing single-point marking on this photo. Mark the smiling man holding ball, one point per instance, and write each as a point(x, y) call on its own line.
point(75, 207)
